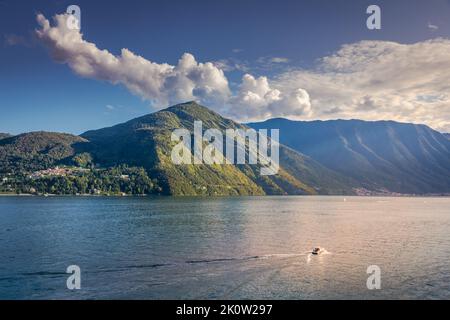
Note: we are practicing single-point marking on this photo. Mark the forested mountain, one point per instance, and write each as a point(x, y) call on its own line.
point(317, 157)
point(145, 141)
point(37, 150)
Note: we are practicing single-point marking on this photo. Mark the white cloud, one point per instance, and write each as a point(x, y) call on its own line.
point(369, 80)
point(231, 65)
point(257, 100)
point(164, 84)
point(432, 27)
point(376, 80)
point(271, 63)
point(279, 60)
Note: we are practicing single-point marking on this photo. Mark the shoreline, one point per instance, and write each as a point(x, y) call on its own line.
point(222, 196)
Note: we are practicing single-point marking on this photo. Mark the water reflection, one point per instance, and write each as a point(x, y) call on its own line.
point(249, 247)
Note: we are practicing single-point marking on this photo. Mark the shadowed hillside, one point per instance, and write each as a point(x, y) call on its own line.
point(399, 157)
point(4, 135)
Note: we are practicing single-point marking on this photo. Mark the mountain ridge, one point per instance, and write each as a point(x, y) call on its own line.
point(316, 157)
point(155, 129)
point(4, 135)
point(385, 154)
point(37, 150)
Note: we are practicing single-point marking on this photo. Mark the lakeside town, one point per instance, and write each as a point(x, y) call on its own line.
point(118, 181)
point(70, 180)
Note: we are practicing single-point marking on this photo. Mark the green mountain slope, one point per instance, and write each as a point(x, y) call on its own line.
point(145, 141)
point(37, 150)
point(322, 157)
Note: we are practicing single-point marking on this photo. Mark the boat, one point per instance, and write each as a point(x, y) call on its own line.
point(317, 250)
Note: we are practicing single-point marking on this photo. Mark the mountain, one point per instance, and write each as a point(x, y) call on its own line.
point(317, 157)
point(37, 150)
point(145, 142)
point(399, 157)
point(447, 135)
point(4, 135)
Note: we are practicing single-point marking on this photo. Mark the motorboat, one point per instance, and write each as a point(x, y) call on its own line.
point(317, 250)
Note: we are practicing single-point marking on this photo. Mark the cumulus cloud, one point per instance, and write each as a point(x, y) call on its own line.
point(165, 84)
point(256, 99)
point(162, 84)
point(369, 80)
point(376, 80)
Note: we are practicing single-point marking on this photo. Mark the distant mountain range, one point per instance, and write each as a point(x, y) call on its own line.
point(319, 157)
point(399, 157)
point(4, 135)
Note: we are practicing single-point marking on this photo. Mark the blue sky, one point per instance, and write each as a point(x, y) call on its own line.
point(279, 40)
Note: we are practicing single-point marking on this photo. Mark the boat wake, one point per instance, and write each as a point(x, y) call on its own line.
point(310, 254)
point(306, 254)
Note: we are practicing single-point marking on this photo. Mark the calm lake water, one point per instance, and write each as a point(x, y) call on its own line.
point(224, 248)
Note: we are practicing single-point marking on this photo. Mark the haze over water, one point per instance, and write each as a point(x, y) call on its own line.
point(231, 248)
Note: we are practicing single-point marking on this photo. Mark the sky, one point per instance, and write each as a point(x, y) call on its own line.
point(248, 60)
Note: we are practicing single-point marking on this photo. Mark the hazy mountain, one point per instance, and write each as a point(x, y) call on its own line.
point(4, 135)
point(400, 157)
point(145, 141)
point(447, 135)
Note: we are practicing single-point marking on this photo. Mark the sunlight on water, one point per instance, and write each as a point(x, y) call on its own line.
point(225, 248)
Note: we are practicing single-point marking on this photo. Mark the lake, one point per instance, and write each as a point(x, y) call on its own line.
point(224, 248)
